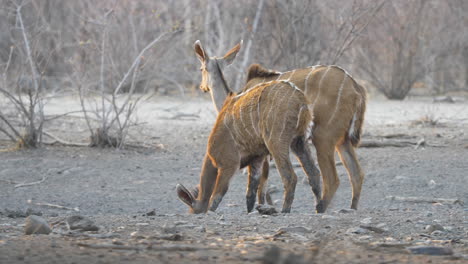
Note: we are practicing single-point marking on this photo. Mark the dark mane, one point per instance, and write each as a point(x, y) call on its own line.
point(257, 71)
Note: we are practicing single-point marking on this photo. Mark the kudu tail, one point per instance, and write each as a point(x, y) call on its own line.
point(355, 128)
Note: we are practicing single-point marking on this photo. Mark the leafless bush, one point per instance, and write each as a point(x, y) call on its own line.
point(111, 108)
point(28, 99)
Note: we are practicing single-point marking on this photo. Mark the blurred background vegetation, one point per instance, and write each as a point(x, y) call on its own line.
point(391, 46)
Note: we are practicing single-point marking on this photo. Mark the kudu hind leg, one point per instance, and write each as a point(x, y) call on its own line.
point(289, 178)
point(262, 191)
point(302, 152)
point(351, 163)
point(222, 185)
point(326, 161)
point(255, 178)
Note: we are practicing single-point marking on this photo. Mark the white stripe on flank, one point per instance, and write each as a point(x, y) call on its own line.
point(338, 98)
point(278, 104)
point(290, 76)
point(244, 127)
point(291, 84)
point(319, 86)
point(285, 116)
point(272, 105)
point(252, 121)
point(279, 76)
point(307, 80)
point(299, 115)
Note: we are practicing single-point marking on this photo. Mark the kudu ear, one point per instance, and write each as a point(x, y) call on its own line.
point(201, 54)
point(231, 55)
point(184, 195)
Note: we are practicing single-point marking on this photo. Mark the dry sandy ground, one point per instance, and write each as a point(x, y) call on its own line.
point(117, 190)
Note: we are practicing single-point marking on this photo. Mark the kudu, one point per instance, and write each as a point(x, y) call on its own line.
point(338, 103)
point(269, 119)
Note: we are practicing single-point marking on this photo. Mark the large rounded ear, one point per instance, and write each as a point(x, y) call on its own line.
point(231, 55)
point(201, 54)
point(184, 195)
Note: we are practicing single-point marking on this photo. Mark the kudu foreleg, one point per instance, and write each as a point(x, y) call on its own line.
point(222, 185)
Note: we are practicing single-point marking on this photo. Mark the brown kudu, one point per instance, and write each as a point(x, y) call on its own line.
point(338, 103)
point(269, 119)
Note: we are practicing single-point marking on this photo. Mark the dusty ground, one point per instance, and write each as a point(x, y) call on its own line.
point(117, 189)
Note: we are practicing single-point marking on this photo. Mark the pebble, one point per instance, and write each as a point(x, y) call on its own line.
point(36, 225)
point(434, 227)
point(325, 216)
point(357, 230)
point(266, 209)
point(78, 222)
point(366, 221)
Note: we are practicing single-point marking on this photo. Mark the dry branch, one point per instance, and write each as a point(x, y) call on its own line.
point(76, 209)
point(150, 247)
point(395, 143)
point(63, 142)
point(424, 200)
point(31, 183)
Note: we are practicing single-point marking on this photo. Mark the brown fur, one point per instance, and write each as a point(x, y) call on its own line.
point(339, 105)
point(265, 120)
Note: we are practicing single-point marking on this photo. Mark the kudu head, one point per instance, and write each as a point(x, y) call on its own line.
point(212, 72)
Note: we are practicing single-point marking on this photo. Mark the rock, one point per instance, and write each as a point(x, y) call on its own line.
point(151, 213)
point(296, 229)
point(325, 216)
point(430, 250)
point(266, 209)
point(357, 230)
point(434, 227)
point(36, 225)
point(432, 184)
point(443, 99)
point(366, 221)
point(78, 222)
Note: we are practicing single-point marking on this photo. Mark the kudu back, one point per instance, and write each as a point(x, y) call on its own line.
point(268, 119)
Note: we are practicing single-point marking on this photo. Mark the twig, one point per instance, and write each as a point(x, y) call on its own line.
point(109, 246)
point(31, 183)
point(9, 181)
point(76, 209)
point(424, 200)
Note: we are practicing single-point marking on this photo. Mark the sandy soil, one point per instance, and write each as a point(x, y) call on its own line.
point(118, 190)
